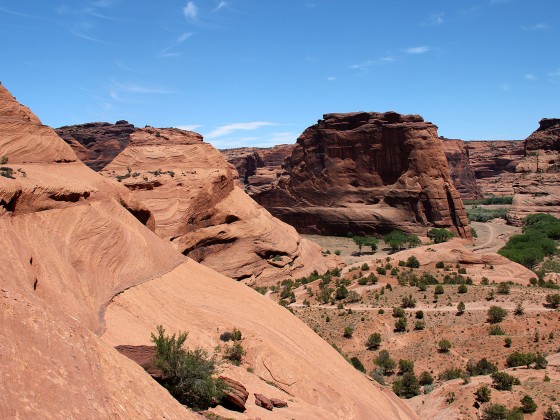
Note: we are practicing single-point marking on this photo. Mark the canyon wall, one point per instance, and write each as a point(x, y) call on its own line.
point(537, 181)
point(460, 169)
point(365, 173)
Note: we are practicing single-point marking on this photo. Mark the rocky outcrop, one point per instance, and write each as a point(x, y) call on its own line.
point(97, 143)
point(367, 173)
point(82, 276)
point(460, 169)
point(258, 166)
point(190, 189)
point(235, 394)
point(537, 183)
point(263, 402)
point(494, 163)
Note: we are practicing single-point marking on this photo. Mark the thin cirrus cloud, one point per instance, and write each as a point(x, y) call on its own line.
point(191, 127)
point(537, 27)
point(190, 10)
point(435, 19)
point(530, 77)
point(220, 6)
point(417, 50)
point(168, 51)
point(136, 88)
point(225, 130)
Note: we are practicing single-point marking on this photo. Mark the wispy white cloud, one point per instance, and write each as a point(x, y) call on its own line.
point(531, 77)
point(435, 19)
point(168, 51)
point(537, 27)
point(366, 65)
point(331, 78)
point(191, 127)
point(183, 37)
point(417, 50)
point(554, 75)
point(225, 130)
point(190, 10)
point(220, 6)
point(136, 88)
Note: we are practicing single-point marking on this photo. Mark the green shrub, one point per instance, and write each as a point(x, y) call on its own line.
point(481, 214)
point(425, 378)
point(440, 264)
point(400, 325)
point(398, 312)
point(374, 341)
point(419, 315)
point(503, 288)
point(348, 332)
point(419, 325)
point(354, 361)
point(528, 405)
point(412, 262)
point(438, 235)
point(551, 414)
point(405, 365)
point(482, 394)
point(496, 314)
point(398, 240)
point(235, 353)
point(439, 290)
point(507, 342)
point(482, 367)
point(365, 267)
point(407, 386)
point(460, 308)
point(502, 381)
point(496, 330)
point(500, 412)
point(462, 289)
point(444, 346)
point(449, 374)
point(384, 361)
point(408, 302)
point(187, 373)
point(553, 300)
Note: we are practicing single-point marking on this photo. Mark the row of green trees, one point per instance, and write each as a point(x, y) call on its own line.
point(398, 240)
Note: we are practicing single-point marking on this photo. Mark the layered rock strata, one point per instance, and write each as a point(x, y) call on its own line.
point(365, 173)
point(460, 169)
point(537, 183)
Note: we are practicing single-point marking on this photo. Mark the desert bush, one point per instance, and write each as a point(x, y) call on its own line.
point(400, 324)
point(354, 361)
point(481, 214)
point(353, 297)
point(438, 290)
point(419, 314)
point(365, 267)
point(551, 414)
point(348, 332)
point(500, 412)
point(460, 308)
point(440, 264)
point(374, 341)
point(444, 346)
point(553, 300)
point(419, 325)
point(377, 375)
point(507, 342)
point(439, 235)
point(405, 365)
point(502, 381)
point(496, 314)
point(425, 378)
point(462, 288)
point(398, 312)
point(412, 262)
point(482, 367)
point(528, 405)
point(519, 309)
point(384, 361)
point(482, 394)
point(407, 386)
point(496, 330)
point(408, 302)
point(341, 292)
point(235, 353)
point(449, 374)
point(398, 240)
point(503, 288)
point(187, 373)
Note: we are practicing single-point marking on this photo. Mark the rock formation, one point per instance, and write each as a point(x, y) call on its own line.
point(537, 183)
point(77, 264)
point(97, 144)
point(460, 169)
point(493, 163)
point(190, 189)
point(367, 173)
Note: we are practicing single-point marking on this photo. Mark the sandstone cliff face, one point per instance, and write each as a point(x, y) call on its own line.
point(97, 144)
point(494, 163)
point(190, 189)
point(460, 169)
point(537, 183)
point(80, 264)
point(367, 173)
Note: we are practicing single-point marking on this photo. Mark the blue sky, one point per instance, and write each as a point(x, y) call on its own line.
point(258, 72)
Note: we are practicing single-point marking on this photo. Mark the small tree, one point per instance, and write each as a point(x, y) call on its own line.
point(400, 325)
point(348, 332)
point(528, 405)
point(551, 414)
point(462, 288)
point(412, 262)
point(407, 386)
point(519, 309)
point(357, 363)
point(398, 312)
point(502, 381)
point(496, 314)
point(405, 365)
point(384, 361)
point(507, 342)
point(439, 290)
point(500, 412)
point(553, 300)
point(444, 346)
point(503, 288)
point(461, 308)
point(374, 341)
point(425, 378)
point(419, 315)
point(438, 235)
point(341, 292)
point(360, 241)
point(235, 353)
point(482, 394)
point(408, 302)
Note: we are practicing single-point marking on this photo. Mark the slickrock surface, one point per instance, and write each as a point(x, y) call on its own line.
point(537, 183)
point(494, 163)
point(190, 189)
point(73, 267)
point(365, 173)
point(460, 169)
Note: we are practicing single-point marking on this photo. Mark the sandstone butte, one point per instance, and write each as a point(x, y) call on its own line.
point(83, 272)
point(460, 169)
point(365, 173)
point(190, 189)
point(537, 181)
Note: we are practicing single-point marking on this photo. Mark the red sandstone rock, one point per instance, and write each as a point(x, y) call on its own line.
point(365, 173)
point(460, 170)
point(277, 403)
point(494, 163)
point(236, 394)
point(263, 402)
point(537, 184)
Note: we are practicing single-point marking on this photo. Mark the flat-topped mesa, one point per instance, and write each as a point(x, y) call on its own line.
point(366, 173)
point(537, 183)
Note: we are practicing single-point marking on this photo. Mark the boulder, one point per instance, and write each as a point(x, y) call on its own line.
point(263, 402)
point(235, 395)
